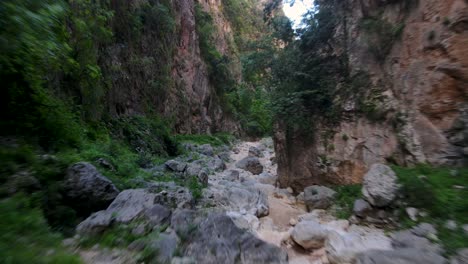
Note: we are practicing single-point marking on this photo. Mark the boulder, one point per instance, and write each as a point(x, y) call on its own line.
point(165, 245)
point(232, 175)
point(255, 152)
point(196, 170)
point(128, 206)
point(203, 176)
point(95, 223)
point(183, 219)
point(177, 197)
point(380, 185)
point(236, 197)
point(193, 169)
point(218, 240)
point(361, 208)
point(216, 164)
point(318, 197)
point(408, 239)
point(267, 178)
point(309, 235)
point(400, 256)
point(461, 257)
point(175, 165)
point(251, 164)
point(206, 149)
point(158, 215)
point(86, 189)
point(225, 156)
point(345, 248)
point(424, 230)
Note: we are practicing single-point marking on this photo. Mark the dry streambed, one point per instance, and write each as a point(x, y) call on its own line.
point(242, 217)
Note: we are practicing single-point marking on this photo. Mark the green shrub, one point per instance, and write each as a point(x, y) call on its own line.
point(25, 236)
point(345, 197)
point(217, 139)
point(432, 190)
point(381, 35)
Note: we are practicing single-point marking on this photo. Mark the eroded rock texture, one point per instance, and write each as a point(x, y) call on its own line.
point(416, 96)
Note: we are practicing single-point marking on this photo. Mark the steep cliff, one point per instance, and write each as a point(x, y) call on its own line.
point(184, 90)
point(405, 100)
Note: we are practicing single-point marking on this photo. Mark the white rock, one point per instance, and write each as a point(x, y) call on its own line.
point(309, 234)
point(412, 213)
point(380, 185)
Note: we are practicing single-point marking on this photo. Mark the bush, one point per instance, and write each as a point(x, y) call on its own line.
point(25, 236)
point(432, 190)
point(345, 197)
point(381, 35)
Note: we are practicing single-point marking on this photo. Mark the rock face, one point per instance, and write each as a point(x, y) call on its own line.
point(380, 185)
point(190, 95)
point(318, 197)
point(251, 164)
point(87, 189)
point(421, 91)
point(219, 240)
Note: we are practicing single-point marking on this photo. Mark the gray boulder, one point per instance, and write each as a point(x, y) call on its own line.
point(203, 176)
point(128, 206)
point(165, 245)
point(178, 197)
point(251, 164)
point(206, 149)
point(196, 170)
point(216, 164)
point(86, 189)
point(225, 156)
point(193, 169)
point(361, 208)
point(183, 220)
point(424, 230)
point(267, 178)
point(218, 240)
point(318, 197)
point(380, 185)
point(236, 197)
point(255, 152)
point(407, 239)
point(232, 175)
point(158, 215)
point(175, 165)
point(400, 256)
point(461, 257)
point(309, 235)
point(95, 223)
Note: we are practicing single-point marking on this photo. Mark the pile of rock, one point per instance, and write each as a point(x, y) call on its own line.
point(207, 239)
point(380, 189)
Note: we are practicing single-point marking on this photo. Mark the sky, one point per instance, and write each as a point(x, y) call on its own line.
point(297, 10)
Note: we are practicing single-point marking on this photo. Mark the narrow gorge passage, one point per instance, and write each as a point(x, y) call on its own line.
point(287, 210)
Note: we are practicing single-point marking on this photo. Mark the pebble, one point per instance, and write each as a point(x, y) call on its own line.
point(293, 222)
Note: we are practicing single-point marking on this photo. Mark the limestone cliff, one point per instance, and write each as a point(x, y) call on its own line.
point(416, 107)
point(163, 71)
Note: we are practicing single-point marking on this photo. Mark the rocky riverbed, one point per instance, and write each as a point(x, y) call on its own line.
point(242, 217)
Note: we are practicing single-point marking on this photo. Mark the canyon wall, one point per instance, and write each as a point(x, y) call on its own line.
point(162, 70)
point(416, 108)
